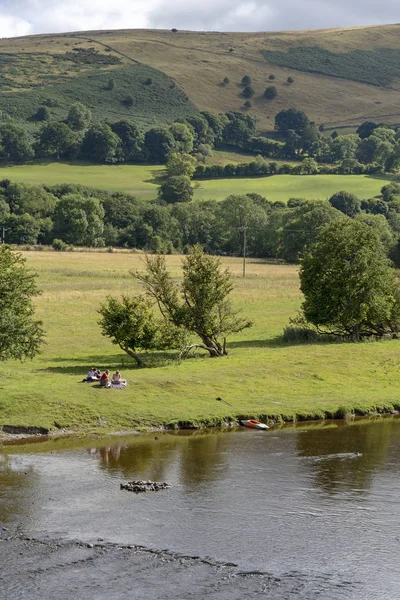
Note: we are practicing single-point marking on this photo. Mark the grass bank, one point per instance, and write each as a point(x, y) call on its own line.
point(141, 181)
point(260, 376)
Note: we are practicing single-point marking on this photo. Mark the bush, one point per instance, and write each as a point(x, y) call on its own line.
point(59, 245)
point(174, 30)
point(226, 80)
point(290, 80)
point(246, 80)
point(247, 104)
point(128, 101)
point(111, 84)
point(270, 92)
point(271, 77)
point(148, 81)
point(248, 92)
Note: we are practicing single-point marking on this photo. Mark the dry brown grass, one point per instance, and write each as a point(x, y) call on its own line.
point(198, 61)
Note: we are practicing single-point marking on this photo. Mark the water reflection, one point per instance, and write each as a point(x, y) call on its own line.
point(199, 458)
point(347, 457)
point(15, 478)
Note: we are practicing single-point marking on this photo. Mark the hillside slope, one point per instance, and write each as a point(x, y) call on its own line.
point(341, 76)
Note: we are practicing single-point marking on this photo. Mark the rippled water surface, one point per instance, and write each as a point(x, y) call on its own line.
point(316, 501)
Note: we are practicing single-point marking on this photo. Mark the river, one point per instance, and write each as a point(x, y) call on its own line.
point(315, 504)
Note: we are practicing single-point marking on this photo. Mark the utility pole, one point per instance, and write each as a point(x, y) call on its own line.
point(244, 229)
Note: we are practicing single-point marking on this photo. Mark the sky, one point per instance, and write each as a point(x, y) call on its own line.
point(22, 17)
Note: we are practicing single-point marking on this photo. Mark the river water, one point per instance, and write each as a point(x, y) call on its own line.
point(317, 502)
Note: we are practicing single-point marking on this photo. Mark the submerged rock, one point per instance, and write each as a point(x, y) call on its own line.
point(144, 486)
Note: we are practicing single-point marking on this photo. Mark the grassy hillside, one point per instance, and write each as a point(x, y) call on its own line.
point(260, 376)
point(341, 76)
point(141, 181)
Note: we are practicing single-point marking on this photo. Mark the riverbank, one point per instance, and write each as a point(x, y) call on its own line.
point(262, 377)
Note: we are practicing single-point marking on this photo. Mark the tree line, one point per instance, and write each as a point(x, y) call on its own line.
point(373, 148)
point(71, 215)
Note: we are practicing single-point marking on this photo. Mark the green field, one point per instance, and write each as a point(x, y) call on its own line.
point(140, 180)
point(260, 376)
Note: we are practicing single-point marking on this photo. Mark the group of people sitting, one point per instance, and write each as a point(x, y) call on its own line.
point(104, 378)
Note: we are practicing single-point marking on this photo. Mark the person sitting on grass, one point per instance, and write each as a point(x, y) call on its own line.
point(104, 379)
point(116, 380)
point(91, 376)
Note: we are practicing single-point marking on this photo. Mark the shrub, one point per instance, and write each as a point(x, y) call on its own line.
point(43, 114)
point(271, 77)
point(290, 79)
point(59, 245)
point(148, 81)
point(299, 335)
point(270, 92)
point(226, 80)
point(110, 84)
point(247, 104)
point(128, 101)
point(248, 92)
point(246, 80)
point(174, 30)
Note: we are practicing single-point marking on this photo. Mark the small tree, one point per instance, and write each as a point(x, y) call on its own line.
point(130, 324)
point(20, 334)
point(43, 114)
point(270, 92)
point(201, 304)
point(226, 80)
point(247, 104)
point(246, 80)
point(290, 80)
point(79, 116)
point(248, 92)
point(271, 77)
point(350, 289)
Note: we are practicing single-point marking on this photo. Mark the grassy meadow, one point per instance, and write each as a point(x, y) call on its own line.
point(260, 376)
point(141, 181)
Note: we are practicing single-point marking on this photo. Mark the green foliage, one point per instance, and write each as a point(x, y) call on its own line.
point(176, 188)
point(88, 56)
point(15, 143)
point(183, 136)
point(79, 116)
point(58, 245)
point(21, 336)
point(130, 323)
point(240, 129)
point(111, 84)
point(247, 104)
point(226, 80)
point(271, 77)
point(347, 203)
point(270, 92)
point(246, 80)
point(289, 80)
point(56, 139)
point(375, 67)
point(42, 114)
point(132, 140)
point(248, 92)
point(291, 119)
point(366, 128)
point(79, 220)
point(159, 143)
point(101, 144)
point(181, 164)
point(348, 283)
point(201, 305)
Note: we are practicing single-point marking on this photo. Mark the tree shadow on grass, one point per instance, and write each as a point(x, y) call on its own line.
point(157, 177)
point(80, 367)
point(279, 342)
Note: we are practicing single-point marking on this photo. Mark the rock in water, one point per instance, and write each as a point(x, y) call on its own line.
point(144, 486)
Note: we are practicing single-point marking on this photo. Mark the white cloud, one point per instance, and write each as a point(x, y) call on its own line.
point(19, 17)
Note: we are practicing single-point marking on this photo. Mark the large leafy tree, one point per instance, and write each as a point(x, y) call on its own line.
point(159, 143)
point(20, 334)
point(176, 189)
point(132, 140)
point(201, 303)
point(56, 139)
point(15, 143)
point(349, 286)
point(79, 220)
point(101, 144)
point(79, 116)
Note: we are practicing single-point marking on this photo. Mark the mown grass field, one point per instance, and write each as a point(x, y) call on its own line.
point(260, 376)
point(199, 61)
point(141, 181)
